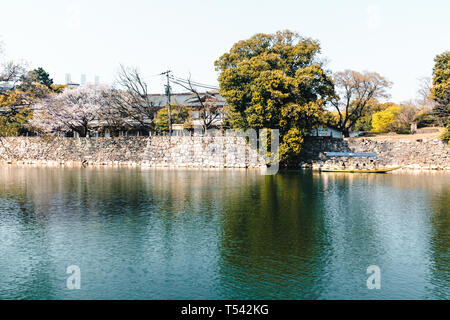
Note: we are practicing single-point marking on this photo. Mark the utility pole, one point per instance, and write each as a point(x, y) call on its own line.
point(167, 74)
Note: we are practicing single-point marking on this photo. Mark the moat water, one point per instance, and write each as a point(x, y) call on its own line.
point(207, 234)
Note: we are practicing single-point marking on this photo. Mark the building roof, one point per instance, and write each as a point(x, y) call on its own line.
point(187, 99)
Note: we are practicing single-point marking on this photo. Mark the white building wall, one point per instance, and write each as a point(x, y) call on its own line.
point(325, 132)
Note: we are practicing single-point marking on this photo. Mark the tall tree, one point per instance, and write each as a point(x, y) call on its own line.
point(11, 73)
point(43, 77)
point(441, 87)
point(14, 112)
point(425, 100)
point(131, 98)
point(18, 93)
point(276, 81)
point(355, 93)
point(16, 106)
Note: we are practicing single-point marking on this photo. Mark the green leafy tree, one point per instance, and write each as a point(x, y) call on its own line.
point(440, 92)
point(386, 120)
point(275, 81)
point(179, 115)
point(15, 112)
point(365, 122)
point(21, 92)
point(43, 77)
point(16, 106)
point(446, 135)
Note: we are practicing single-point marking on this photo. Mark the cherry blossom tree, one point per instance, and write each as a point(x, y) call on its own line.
point(75, 110)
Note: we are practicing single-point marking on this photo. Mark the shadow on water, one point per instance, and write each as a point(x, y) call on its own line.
point(192, 234)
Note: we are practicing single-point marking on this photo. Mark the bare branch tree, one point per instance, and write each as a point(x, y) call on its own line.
point(12, 72)
point(110, 117)
point(131, 99)
point(355, 91)
point(406, 116)
point(424, 93)
point(210, 110)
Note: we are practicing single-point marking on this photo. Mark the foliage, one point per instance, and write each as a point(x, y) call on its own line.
point(233, 119)
point(14, 113)
point(365, 122)
point(15, 107)
point(356, 92)
point(402, 120)
point(425, 119)
point(330, 119)
point(275, 81)
point(446, 135)
point(179, 115)
point(73, 110)
point(291, 146)
point(14, 123)
point(58, 88)
point(386, 120)
point(41, 76)
point(21, 91)
point(441, 87)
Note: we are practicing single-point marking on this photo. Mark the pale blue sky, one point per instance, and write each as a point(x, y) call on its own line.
point(396, 38)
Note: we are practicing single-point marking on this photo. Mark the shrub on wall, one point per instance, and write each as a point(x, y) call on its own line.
point(446, 135)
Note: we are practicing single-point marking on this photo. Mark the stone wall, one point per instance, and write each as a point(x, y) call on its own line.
point(162, 151)
point(214, 152)
point(411, 154)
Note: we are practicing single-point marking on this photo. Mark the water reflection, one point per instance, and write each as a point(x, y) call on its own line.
point(199, 234)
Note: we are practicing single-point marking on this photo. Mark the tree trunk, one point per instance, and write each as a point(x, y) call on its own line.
point(346, 133)
point(80, 132)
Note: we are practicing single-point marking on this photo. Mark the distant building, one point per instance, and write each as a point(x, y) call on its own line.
point(160, 101)
point(192, 103)
point(72, 85)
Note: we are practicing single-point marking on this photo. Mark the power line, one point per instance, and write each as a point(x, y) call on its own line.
point(184, 83)
point(195, 83)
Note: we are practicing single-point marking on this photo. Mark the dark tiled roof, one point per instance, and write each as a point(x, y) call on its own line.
point(187, 99)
